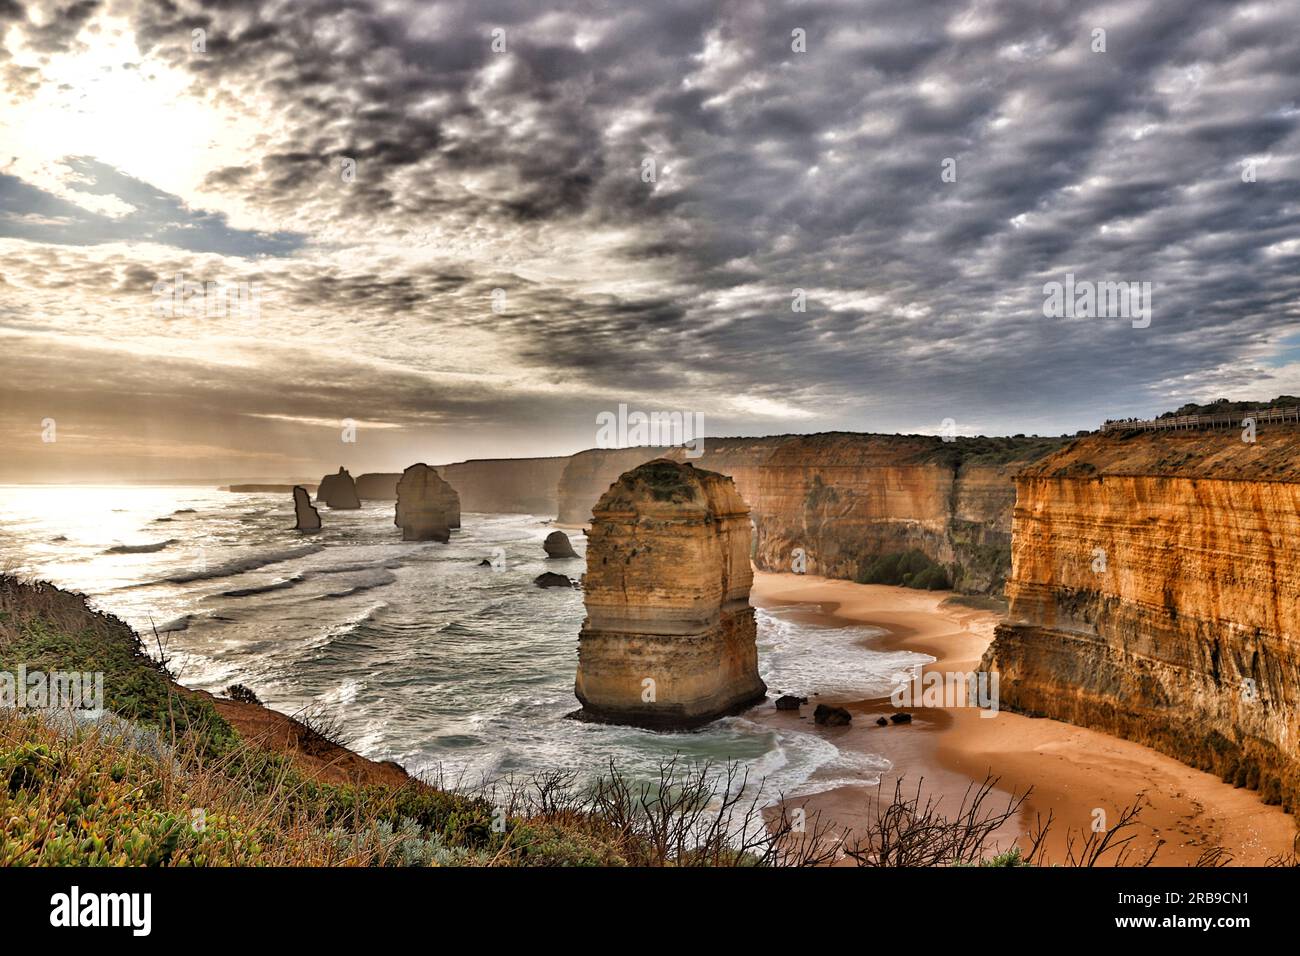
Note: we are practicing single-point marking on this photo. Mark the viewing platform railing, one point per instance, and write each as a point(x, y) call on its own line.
point(1262, 416)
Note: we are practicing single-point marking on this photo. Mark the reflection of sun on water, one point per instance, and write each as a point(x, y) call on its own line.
point(93, 519)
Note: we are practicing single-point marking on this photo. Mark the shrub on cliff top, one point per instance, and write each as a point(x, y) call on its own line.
point(48, 629)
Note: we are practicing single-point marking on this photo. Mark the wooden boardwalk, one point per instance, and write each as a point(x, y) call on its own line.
point(1262, 416)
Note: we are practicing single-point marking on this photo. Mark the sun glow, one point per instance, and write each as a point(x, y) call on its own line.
point(108, 102)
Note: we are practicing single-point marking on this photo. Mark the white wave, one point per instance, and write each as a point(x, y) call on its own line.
point(240, 565)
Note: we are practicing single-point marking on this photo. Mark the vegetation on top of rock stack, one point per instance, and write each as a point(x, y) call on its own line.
point(911, 569)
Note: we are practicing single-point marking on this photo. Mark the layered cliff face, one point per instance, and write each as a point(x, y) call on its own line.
point(835, 502)
point(507, 485)
point(378, 486)
point(1154, 595)
point(669, 638)
point(427, 507)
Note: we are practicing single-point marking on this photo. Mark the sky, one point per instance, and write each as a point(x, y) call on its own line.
point(438, 231)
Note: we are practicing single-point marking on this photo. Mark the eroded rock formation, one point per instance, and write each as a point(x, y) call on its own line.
point(549, 579)
point(669, 636)
point(338, 490)
point(306, 517)
point(557, 545)
point(427, 507)
point(1155, 595)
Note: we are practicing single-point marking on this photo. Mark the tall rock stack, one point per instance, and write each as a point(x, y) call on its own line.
point(427, 507)
point(338, 491)
point(306, 518)
point(669, 638)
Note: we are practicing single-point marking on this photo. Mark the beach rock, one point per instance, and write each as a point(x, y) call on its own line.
point(557, 546)
point(378, 486)
point(307, 517)
point(881, 722)
point(669, 638)
point(549, 579)
point(338, 491)
point(790, 702)
point(832, 716)
point(427, 507)
point(152, 548)
point(901, 718)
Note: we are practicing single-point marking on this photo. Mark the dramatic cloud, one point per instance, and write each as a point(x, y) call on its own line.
point(474, 225)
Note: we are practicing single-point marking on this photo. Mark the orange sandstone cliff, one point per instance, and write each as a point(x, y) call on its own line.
point(845, 499)
point(1155, 595)
point(669, 637)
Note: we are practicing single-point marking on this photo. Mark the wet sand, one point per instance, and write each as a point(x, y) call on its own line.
point(1072, 771)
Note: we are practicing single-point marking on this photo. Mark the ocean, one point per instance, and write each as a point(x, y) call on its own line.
point(415, 651)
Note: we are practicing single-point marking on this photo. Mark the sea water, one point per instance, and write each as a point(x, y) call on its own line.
point(415, 650)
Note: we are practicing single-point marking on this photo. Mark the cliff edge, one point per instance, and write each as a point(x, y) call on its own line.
point(1155, 595)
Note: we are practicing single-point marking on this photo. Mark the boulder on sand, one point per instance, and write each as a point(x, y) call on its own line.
point(307, 517)
point(790, 702)
point(426, 505)
point(338, 491)
point(832, 716)
point(557, 546)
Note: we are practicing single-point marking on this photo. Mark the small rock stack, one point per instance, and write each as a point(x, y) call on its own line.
point(338, 491)
point(306, 517)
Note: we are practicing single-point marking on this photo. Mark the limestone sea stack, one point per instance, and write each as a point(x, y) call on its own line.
point(557, 545)
point(308, 518)
point(426, 505)
point(668, 641)
point(338, 491)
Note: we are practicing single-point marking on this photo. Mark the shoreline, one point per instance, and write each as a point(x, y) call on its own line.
point(1072, 771)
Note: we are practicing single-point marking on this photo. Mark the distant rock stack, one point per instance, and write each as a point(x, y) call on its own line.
point(338, 491)
point(669, 639)
point(308, 518)
point(427, 507)
point(557, 545)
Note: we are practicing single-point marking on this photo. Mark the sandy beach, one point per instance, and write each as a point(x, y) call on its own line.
point(1072, 771)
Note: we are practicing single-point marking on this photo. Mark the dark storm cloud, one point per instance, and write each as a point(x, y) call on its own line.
point(29, 212)
point(821, 171)
point(777, 171)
